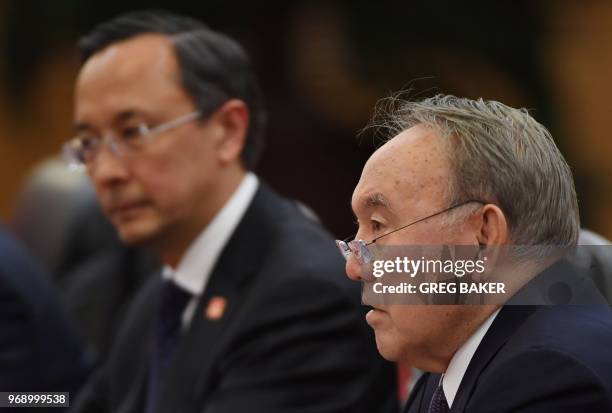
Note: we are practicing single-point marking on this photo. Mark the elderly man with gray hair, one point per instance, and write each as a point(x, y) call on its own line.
point(461, 172)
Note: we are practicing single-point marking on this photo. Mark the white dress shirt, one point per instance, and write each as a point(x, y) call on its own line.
point(460, 361)
point(196, 265)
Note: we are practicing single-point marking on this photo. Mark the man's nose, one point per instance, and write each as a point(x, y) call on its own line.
point(355, 270)
point(107, 168)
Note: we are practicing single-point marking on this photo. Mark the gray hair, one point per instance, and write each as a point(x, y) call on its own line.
point(500, 155)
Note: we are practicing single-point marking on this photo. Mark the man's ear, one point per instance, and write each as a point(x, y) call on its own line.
point(493, 227)
point(231, 125)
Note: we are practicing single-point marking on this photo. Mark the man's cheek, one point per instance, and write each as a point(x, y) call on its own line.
point(400, 318)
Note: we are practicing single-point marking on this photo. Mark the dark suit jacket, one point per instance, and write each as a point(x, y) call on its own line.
point(538, 359)
point(98, 291)
point(292, 338)
point(39, 350)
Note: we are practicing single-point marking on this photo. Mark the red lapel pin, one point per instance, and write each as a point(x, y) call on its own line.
point(216, 308)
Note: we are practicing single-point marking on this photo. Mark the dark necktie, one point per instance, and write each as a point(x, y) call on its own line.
point(166, 334)
point(438, 401)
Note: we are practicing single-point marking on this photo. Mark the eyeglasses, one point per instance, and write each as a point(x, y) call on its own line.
point(359, 248)
point(82, 150)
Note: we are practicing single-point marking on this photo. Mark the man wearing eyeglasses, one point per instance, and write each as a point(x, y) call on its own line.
point(251, 311)
point(481, 175)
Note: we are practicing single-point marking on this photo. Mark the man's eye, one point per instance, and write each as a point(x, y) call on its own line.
point(376, 226)
point(88, 142)
point(87, 148)
point(130, 133)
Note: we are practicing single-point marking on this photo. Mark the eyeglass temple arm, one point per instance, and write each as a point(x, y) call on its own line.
point(177, 122)
point(423, 219)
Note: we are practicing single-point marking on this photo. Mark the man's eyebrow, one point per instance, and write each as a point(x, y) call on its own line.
point(376, 200)
point(122, 116)
point(125, 115)
point(80, 126)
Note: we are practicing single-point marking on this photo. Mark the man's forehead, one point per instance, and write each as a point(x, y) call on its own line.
point(137, 73)
point(131, 59)
point(411, 163)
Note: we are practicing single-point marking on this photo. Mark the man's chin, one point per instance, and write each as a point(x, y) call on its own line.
point(388, 351)
point(136, 235)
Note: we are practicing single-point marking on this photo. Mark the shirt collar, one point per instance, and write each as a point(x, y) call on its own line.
point(195, 266)
point(460, 361)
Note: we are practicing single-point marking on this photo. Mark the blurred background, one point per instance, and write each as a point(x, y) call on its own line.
point(323, 65)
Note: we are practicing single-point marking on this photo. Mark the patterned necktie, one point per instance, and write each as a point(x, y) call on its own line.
point(166, 334)
point(438, 402)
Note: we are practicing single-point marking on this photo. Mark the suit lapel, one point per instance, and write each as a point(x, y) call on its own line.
point(421, 394)
point(509, 319)
point(191, 370)
point(134, 400)
point(136, 350)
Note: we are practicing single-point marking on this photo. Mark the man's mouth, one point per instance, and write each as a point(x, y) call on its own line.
point(126, 208)
point(374, 315)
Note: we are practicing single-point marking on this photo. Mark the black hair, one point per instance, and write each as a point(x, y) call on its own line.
point(213, 67)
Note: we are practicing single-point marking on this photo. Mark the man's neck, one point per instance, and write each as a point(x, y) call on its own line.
point(476, 321)
point(467, 323)
point(174, 246)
